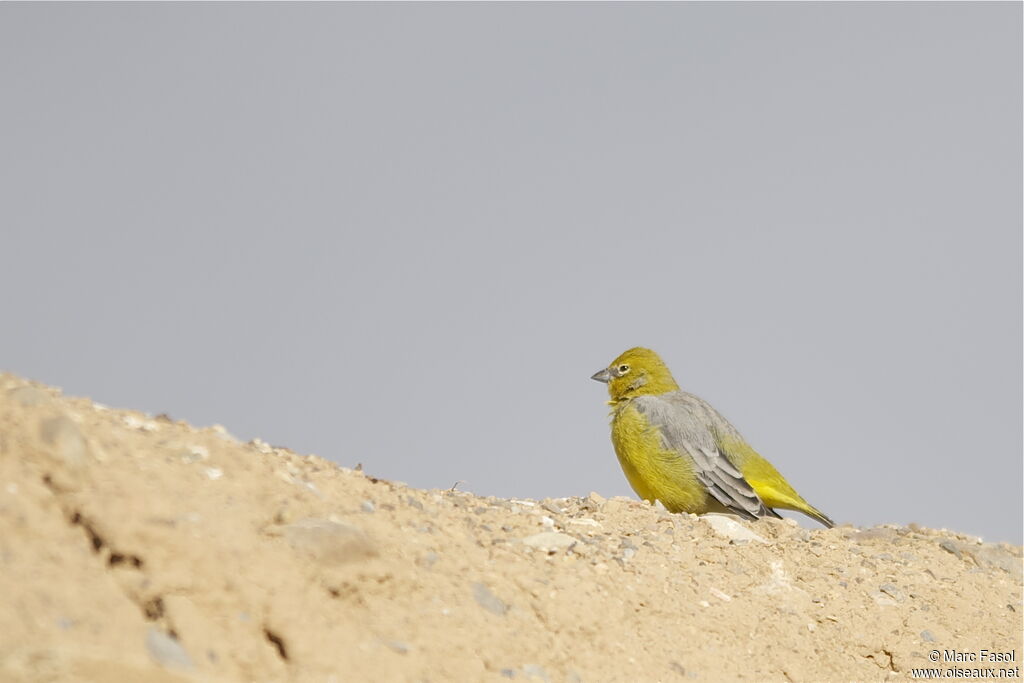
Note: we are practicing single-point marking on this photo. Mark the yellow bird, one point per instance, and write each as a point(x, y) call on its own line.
point(674, 447)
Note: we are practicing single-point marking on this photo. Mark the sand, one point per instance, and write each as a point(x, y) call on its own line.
point(139, 548)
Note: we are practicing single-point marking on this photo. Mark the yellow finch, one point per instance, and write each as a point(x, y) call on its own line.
point(674, 447)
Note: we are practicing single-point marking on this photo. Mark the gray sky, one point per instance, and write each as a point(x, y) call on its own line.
point(406, 235)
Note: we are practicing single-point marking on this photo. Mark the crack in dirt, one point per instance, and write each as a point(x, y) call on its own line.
point(278, 642)
point(153, 609)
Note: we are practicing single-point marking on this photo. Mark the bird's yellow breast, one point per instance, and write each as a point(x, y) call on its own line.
point(654, 472)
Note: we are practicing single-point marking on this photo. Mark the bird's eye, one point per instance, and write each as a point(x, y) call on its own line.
point(623, 369)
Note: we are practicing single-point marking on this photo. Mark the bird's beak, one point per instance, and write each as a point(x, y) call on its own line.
point(602, 376)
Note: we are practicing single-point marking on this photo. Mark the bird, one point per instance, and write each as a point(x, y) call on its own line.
point(675, 448)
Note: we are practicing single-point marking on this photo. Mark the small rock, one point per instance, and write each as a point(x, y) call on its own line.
point(262, 446)
point(195, 453)
point(551, 507)
point(534, 672)
point(213, 473)
point(927, 636)
point(883, 600)
point(550, 541)
point(29, 396)
point(222, 433)
point(367, 506)
point(488, 600)
point(166, 651)
point(328, 542)
point(66, 448)
point(585, 521)
point(951, 547)
point(613, 506)
point(133, 422)
point(892, 591)
point(730, 528)
point(397, 646)
point(780, 581)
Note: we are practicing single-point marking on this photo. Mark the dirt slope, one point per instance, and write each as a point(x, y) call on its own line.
point(134, 548)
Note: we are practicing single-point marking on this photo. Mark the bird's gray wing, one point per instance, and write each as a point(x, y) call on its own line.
point(685, 429)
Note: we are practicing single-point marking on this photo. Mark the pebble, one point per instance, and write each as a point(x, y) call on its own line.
point(397, 646)
point(166, 651)
point(884, 600)
point(262, 446)
point(532, 671)
point(133, 422)
point(552, 508)
point(550, 541)
point(927, 636)
point(67, 448)
point(367, 506)
point(951, 547)
point(892, 591)
point(328, 542)
point(613, 507)
point(29, 396)
point(488, 600)
point(222, 433)
point(731, 529)
point(195, 453)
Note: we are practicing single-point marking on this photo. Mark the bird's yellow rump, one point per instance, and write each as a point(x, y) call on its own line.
point(674, 447)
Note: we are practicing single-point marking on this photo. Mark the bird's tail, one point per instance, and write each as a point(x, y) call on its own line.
point(817, 515)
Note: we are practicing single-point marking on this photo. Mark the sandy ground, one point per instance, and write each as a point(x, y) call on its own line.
point(137, 548)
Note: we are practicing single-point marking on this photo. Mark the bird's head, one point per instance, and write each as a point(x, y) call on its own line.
point(637, 372)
